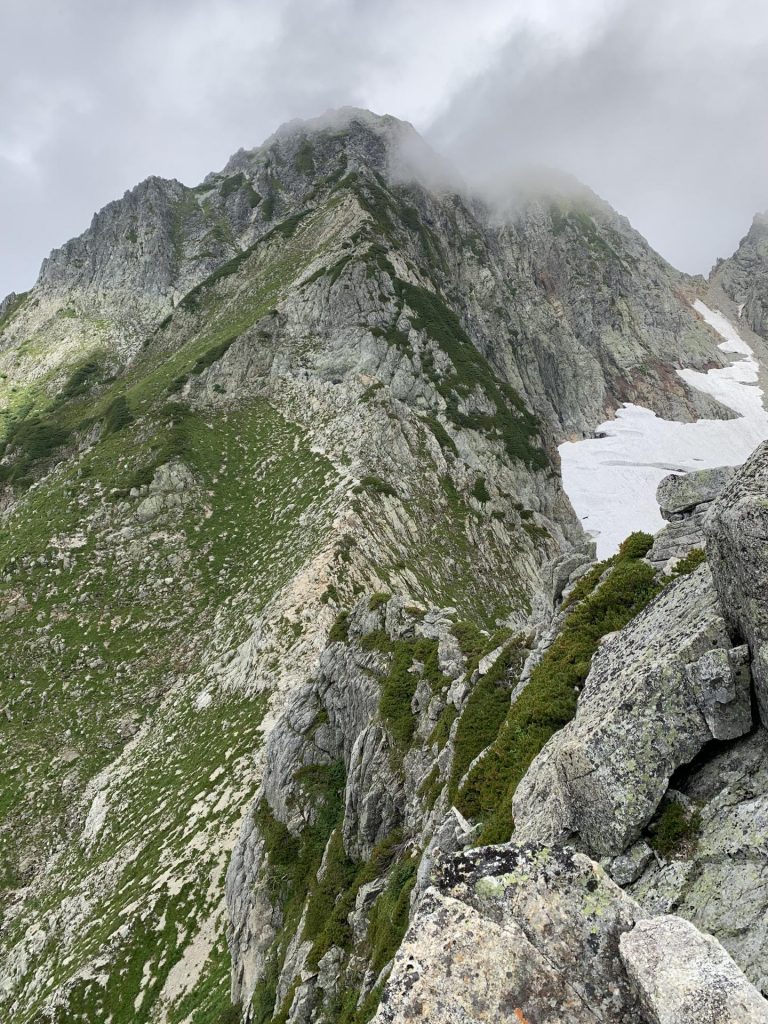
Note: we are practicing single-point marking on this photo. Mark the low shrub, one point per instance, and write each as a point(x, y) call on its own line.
point(548, 702)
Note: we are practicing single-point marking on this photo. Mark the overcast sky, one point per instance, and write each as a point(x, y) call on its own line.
point(661, 106)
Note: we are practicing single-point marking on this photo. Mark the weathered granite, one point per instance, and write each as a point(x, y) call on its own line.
point(737, 542)
point(682, 492)
point(685, 977)
point(657, 692)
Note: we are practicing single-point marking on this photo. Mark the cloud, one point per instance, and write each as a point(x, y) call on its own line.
point(657, 106)
point(660, 109)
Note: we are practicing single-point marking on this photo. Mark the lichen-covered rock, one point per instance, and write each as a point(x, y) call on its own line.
point(677, 540)
point(657, 692)
point(682, 492)
point(719, 880)
point(737, 542)
point(517, 932)
point(685, 977)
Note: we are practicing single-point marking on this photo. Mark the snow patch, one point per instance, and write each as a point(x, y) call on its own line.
point(611, 479)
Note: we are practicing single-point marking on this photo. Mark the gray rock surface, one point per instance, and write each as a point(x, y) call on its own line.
point(682, 492)
point(720, 882)
point(519, 933)
point(685, 977)
point(744, 276)
point(684, 500)
point(657, 692)
point(737, 536)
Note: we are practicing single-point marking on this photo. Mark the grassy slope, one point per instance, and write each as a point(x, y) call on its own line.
point(115, 624)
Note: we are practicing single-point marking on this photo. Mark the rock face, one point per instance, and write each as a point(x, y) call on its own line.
point(680, 493)
point(517, 932)
point(737, 533)
point(744, 276)
point(657, 692)
point(684, 500)
point(535, 933)
point(718, 880)
point(683, 976)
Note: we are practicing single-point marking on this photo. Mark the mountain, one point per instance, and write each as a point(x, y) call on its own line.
point(291, 594)
point(744, 276)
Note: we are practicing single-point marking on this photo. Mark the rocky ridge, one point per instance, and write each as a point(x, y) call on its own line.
point(282, 510)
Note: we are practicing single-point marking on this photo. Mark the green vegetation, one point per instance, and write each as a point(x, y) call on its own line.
point(304, 161)
point(686, 565)
point(675, 830)
point(117, 416)
point(377, 600)
point(239, 183)
point(480, 490)
point(512, 423)
point(549, 700)
point(485, 711)
point(442, 436)
point(145, 632)
point(30, 440)
point(389, 917)
point(339, 631)
point(12, 309)
point(80, 380)
point(375, 485)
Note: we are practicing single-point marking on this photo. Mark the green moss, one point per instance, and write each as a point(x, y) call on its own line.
point(377, 600)
point(548, 702)
point(675, 830)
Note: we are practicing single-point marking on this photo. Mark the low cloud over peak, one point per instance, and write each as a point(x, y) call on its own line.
point(658, 106)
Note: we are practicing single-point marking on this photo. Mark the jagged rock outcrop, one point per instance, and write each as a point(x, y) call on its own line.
point(518, 932)
point(684, 500)
point(527, 932)
point(716, 876)
point(657, 692)
point(744, 276)
point(342, 741)
point(737, 532)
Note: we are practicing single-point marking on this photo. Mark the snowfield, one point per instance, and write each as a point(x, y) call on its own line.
point(612, 479)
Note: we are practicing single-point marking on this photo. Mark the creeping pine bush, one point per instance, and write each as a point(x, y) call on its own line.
point(549, 700)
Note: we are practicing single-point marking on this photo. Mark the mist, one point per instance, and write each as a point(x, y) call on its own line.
point(659, 107)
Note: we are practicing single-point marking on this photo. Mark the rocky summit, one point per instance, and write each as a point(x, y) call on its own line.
point(316, 706)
